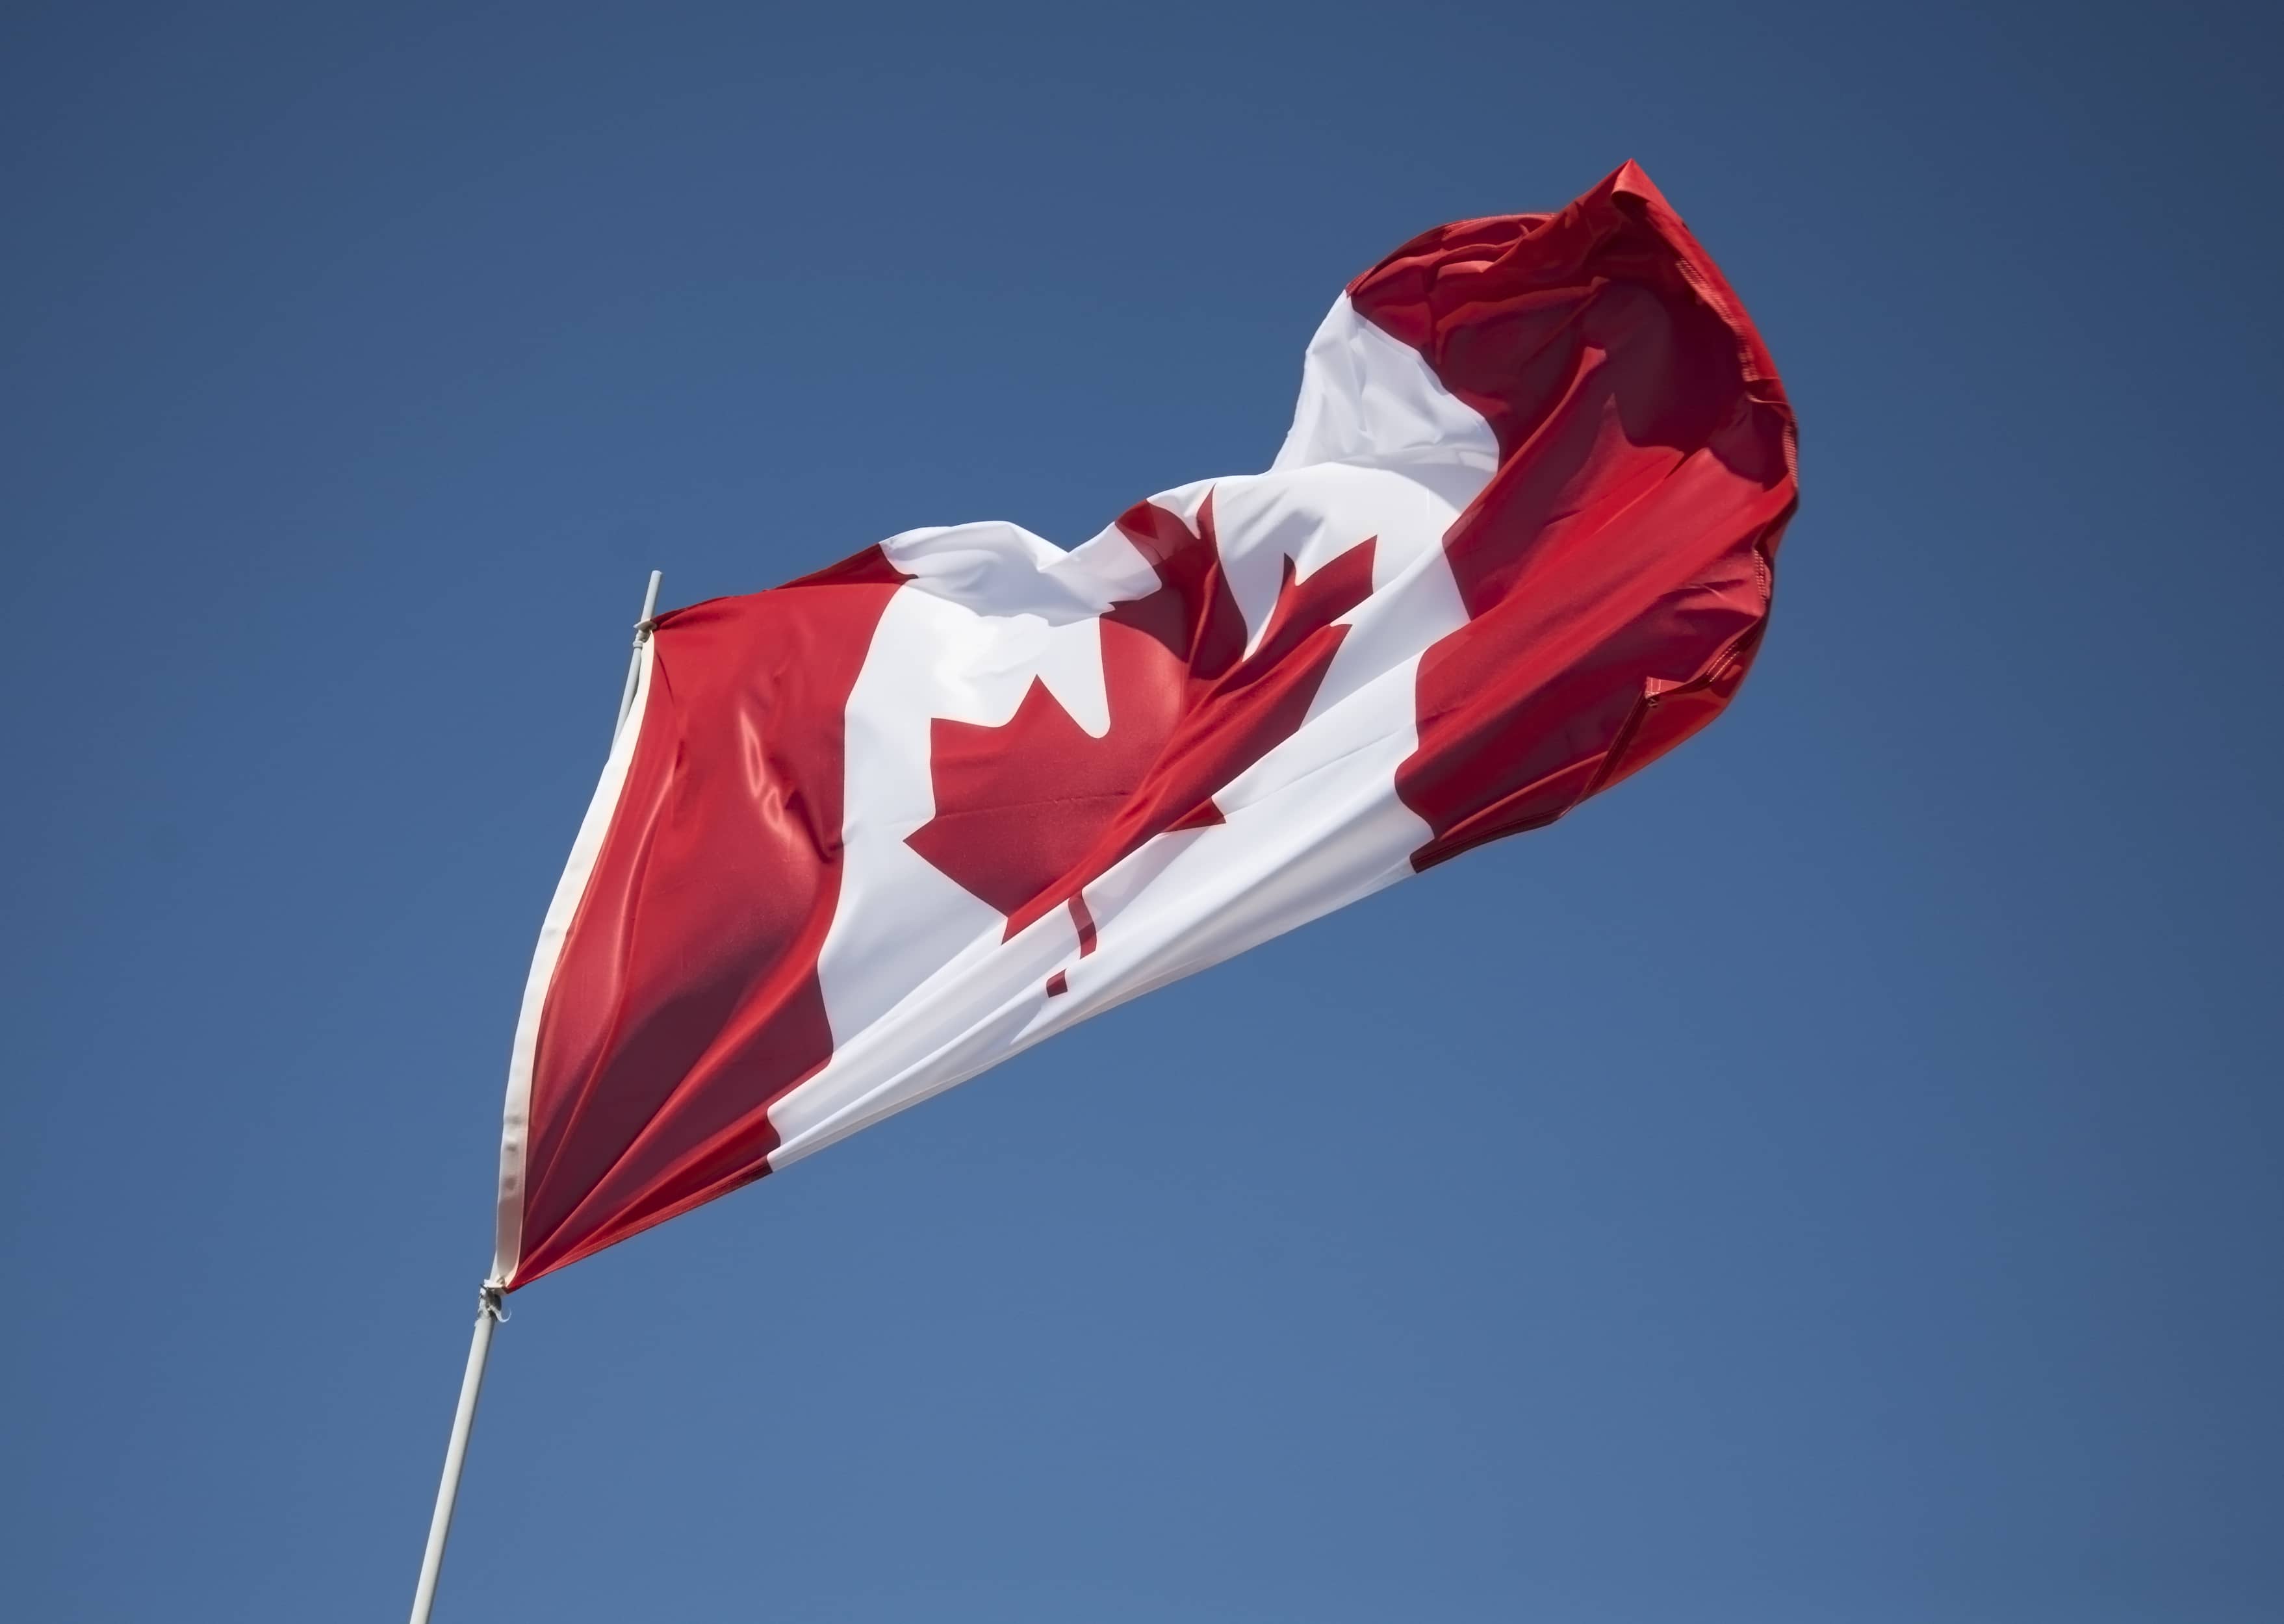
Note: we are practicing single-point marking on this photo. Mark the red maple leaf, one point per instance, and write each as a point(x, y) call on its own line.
point(1029, 812)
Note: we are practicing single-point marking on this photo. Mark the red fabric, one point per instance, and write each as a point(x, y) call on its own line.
point(1617, 570)
point(686, 999)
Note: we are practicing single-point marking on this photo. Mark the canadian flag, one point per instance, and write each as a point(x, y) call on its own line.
point(875, 830)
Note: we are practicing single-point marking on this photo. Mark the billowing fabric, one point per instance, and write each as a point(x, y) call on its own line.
point(871, 832)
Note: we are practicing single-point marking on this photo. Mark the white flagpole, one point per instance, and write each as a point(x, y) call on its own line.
point(489, 1313)
point(634, 663)
point(491, 1294)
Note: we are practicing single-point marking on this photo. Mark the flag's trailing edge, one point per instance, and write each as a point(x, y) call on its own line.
point(873, 832)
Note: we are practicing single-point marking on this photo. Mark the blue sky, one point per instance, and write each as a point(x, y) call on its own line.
point(1840, 1176)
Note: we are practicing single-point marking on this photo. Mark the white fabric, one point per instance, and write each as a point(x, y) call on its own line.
point(921, 990)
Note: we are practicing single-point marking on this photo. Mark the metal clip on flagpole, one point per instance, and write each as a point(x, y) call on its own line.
point(491, 1296)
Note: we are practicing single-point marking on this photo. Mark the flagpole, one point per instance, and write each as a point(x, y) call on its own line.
point(634, 661)
point(489, 1313)
point(490, 1297)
